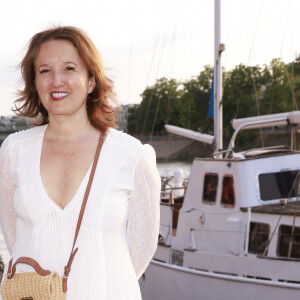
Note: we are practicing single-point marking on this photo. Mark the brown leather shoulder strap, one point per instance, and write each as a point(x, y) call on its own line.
point(86, 195)
point(28, 261)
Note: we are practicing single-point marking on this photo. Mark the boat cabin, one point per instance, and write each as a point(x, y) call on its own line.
point(243, 205)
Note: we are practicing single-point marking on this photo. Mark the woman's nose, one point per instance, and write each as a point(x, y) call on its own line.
point(57, 79)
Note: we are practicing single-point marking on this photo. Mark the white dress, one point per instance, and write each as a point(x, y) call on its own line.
point(119, 231)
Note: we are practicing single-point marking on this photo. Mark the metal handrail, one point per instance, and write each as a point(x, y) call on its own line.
point(174, 188)
point(232, 141)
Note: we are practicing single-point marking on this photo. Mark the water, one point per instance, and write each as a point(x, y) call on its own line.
point(162, 167)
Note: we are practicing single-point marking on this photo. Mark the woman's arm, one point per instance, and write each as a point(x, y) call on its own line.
point(143, 217)
point(7, 213)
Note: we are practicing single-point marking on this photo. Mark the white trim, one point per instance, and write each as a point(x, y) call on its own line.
point(227, 277)
point(292, 117)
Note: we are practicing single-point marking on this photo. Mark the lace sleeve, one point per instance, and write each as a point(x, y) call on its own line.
point(7, 213)
point(143, 216)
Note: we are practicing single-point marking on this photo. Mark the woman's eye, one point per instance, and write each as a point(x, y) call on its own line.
point(70, 68)
point(44, 71)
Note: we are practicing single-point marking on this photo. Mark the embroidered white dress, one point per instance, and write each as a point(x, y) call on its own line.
point(119, 231)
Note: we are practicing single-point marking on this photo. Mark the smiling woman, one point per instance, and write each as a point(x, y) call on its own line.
point(45, 173)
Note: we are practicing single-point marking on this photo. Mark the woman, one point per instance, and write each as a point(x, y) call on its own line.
point(44, 172)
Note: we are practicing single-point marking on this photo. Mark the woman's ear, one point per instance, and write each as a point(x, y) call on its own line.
point(92, 84)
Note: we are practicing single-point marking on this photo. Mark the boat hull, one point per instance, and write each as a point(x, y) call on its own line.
point(163, 281)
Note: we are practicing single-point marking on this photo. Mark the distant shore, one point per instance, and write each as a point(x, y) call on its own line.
point(176, 147)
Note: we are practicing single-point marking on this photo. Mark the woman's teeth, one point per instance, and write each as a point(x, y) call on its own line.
point(59, 95)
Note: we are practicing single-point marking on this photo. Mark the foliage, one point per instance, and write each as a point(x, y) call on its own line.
point(1, 265)
point(248, 91)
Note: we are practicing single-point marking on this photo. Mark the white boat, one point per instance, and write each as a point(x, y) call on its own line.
point(235, 231)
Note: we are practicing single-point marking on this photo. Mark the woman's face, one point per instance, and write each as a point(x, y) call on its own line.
point(61, 79)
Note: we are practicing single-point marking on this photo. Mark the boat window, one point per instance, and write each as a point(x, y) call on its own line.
point(288, 240)
point(279, 185)
point(258, 237)
point(227, 199)
point(210, 187)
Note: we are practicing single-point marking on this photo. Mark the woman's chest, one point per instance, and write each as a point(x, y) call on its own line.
point(107, 204)
point(63, 167)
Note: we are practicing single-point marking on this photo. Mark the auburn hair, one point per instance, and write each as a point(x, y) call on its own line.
point(101, 103)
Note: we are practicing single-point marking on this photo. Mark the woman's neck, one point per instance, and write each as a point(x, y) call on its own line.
point(69, 128)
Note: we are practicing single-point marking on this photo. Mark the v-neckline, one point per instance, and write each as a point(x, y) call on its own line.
point(76, 197)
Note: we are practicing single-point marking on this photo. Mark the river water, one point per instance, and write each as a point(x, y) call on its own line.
point(162, 167)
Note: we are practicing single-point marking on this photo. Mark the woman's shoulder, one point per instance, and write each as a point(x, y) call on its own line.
point(125, 139)
point(23, 137)
point(127, 144)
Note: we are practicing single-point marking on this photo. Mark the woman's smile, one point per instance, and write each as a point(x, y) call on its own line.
point(56, 96)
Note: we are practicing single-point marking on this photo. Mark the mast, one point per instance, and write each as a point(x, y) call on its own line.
point(218, 106)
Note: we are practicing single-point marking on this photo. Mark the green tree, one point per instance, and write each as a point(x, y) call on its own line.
point(159, 104)
point(248, 91)
point(2, 266)
point(242, 94)
point(277, 93)
point(195, 101)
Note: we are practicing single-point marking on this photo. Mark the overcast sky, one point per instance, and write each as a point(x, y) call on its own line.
point(141, 40)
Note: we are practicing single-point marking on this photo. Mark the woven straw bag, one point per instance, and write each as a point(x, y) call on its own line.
point(33, 285)
point(44, 284)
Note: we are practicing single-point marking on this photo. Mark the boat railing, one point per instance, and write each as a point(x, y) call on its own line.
point(170, 202)
point(249, 125)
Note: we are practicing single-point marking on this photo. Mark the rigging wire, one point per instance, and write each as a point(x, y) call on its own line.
point(151, 63)
point(284, 29)
point(129, 67)
point(169, 96)
point(169, 58)
point(252, 73)
point(159, 96)
point(190, 63)
point(296, 181)
point(290, 80)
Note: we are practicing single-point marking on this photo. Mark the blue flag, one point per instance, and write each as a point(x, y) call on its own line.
point(211, 101)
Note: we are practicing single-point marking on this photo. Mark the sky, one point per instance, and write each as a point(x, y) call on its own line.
point(141, 41)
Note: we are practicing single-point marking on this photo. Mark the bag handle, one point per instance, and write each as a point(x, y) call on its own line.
point(85, 198)
point(28, 261)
